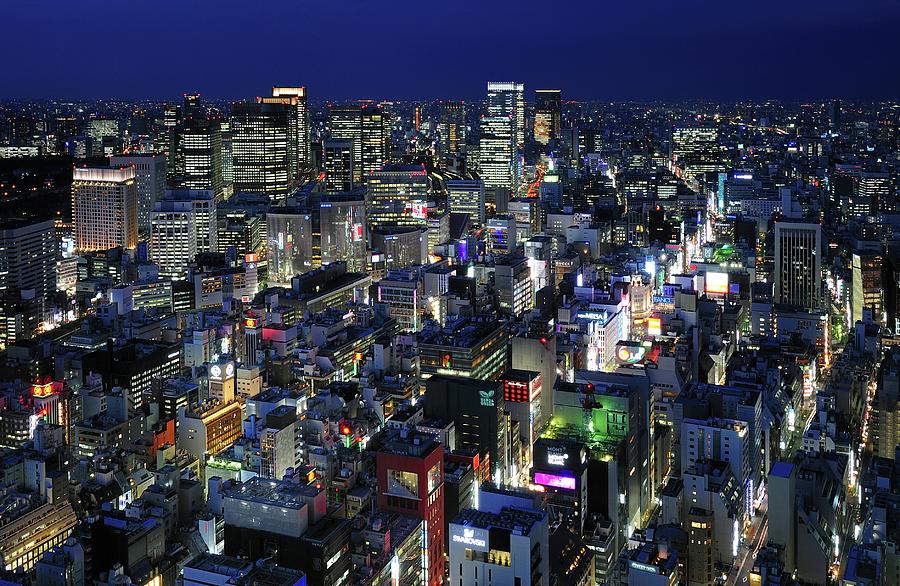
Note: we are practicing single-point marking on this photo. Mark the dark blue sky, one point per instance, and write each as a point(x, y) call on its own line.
point(340, 49)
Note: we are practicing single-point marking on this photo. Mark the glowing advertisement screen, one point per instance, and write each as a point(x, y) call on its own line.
point(717, 283)
point(567, 482)
point(630, 353)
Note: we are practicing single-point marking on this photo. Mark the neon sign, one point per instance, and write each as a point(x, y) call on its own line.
point(555, 481)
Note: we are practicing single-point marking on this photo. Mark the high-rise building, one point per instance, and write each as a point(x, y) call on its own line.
point(496, 152)
point(875, 193)
point(547, 115)
point(466, 196)
point(198, 144)
point(368, 126)
point(28, 257)
point(398, 196)
point(173, 238)
point(261, 148)
point(299, 100)
point(507, 99)
point(868, 291)
point(104, 207)
point(798, 264)
point(376, 139)
point(337, 158)
point(150, 175)
point(453, 127)
point(204, 206)
point(410, 475)
point(103, 137)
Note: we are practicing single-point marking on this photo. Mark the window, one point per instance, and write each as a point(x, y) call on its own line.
point(403, 483)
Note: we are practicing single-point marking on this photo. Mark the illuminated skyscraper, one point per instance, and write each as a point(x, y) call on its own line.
point(398, 196)
point(467, 197)
point(453, 127)
point(173, 240)
point(508, 99)
point(376, 138)
point(346, 124)
point(547, 115)
point(198, 145)
point(150, 173)
point(798, 264)
point(261, 135)
point(368, 127)
point(297, 98)
point(337, 158)
point(104, 207)
point(496, 153)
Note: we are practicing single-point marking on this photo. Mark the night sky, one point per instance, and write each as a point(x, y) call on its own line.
point(404, 49)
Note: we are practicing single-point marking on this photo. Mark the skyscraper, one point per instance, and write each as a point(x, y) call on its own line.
point(467, 196)
point(337, 156)
point(173, 241)
point(508, 99)
point(368, 127)
point(150, 175)
point(798, 264)
point(297, 98)
point(453, 127)
point(496, 152)
point(198, 144)
point(28, 257)
point(547, 115)
point(261, 135)
point(398, 196)
point(104, 207)
point(346, 124)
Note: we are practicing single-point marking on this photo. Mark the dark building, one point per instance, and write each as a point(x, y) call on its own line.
point(477, 408)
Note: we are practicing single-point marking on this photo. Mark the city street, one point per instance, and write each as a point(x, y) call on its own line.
point(759, 530)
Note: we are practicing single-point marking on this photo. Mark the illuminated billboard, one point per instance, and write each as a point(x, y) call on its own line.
point(630, 353)
point(717, 283)
point(654, 326)
point(552, 480)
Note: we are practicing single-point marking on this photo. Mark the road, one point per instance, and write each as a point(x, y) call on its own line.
point(759, 530)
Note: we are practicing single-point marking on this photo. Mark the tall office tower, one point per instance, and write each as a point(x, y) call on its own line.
point(191, 105)
point(496, 152)
point(508, 99)
point(337, 156)
point(376, 139)
point(466, 196)
point(104, 208)
point(198, 146)
point(261, 150)
point(409, 470)
point(696, 149)
point(103, 137)
point(166, 142)
point(299, 100)
point(227, 165)
point(173, 238)
point(547, 115)
point(150, 175)
point(798, 264)
point(885, 425)
point(346, 124)
point(28, 257)
point(876, 191)
point(453, 127)
point(398, 196)
point(368, 126)
point(868, 289)
point(205, 215)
